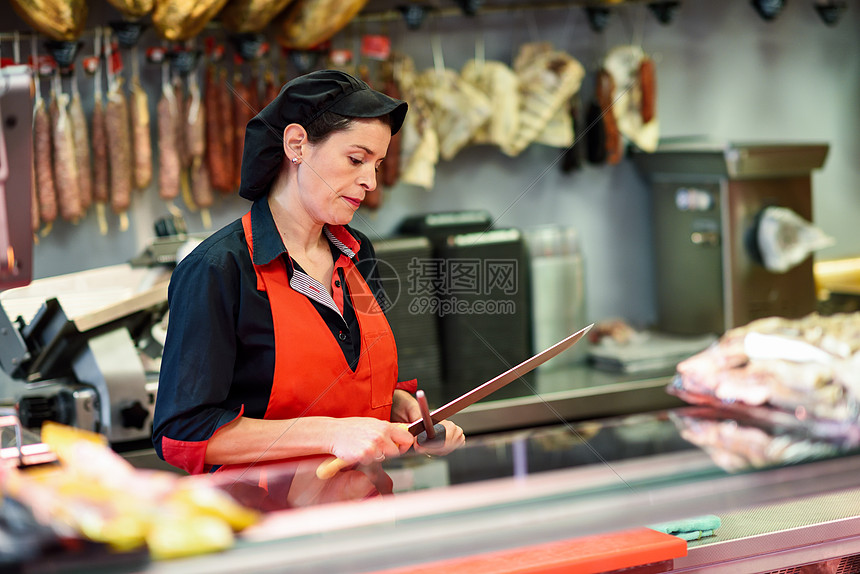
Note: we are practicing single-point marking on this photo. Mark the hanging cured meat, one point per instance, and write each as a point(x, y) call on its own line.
point(244, 16)
point(133, 9)
point(101, 182)
point(604, 95)
point(119, 149)
point(81, 135)
point(548, 79)
point(45, 188)
point(118, 133)
point(227, 133)
point(307, 23)
point(243, 111)
point(101, 193)
point(168, 151)
point(57, 19)
point(502, 87)
point(184, 19)
point(459, 109)
point(390, 171)
point(647, 82)
point(140, 132)
point(419, 150)
point(179, 122)
point(216, 160)
point(65, 164)
point(195, 141)
point(624, 63)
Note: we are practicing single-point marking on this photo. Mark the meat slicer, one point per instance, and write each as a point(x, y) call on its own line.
point(79, 361)
point(77, 349)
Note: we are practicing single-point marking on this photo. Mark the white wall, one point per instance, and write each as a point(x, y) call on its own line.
point(722, 72)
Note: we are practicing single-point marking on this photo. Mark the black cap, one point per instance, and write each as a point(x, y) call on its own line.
point(301, 101)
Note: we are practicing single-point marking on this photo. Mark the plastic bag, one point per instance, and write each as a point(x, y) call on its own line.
point(785, 239)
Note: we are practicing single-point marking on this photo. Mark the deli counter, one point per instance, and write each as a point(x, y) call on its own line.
point(571, 497)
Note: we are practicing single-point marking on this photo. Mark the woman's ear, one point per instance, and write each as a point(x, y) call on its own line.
point(295, 137)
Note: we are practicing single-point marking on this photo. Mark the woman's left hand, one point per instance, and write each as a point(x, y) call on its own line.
point(405, 409)
point(454, 439)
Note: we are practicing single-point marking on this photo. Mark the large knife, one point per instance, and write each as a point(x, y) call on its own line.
point(330, 467)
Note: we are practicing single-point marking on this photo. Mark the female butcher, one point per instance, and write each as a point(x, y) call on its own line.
point(277, 346)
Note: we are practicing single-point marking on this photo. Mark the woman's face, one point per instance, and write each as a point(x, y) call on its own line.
point(335, 175)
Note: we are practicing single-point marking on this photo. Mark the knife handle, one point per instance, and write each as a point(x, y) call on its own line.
point(331, 467)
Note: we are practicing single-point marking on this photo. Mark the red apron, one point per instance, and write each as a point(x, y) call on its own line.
point(312, 376)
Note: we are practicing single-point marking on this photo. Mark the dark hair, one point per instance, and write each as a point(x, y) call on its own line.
point(328, 123)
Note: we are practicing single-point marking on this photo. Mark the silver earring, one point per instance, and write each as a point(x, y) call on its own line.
point(295, 160)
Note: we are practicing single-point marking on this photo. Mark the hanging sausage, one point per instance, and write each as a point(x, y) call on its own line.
point(195, 141)
point(605, 93)
point(118, 137)
point(81, 135)
point(101, 184)
point(391, 166)
point(168, 151)
point(647, 81)
point(631, 81)
point(42, 152)
point(65, 164)
point(227, 132)
point(216, 159)
point(140, 127)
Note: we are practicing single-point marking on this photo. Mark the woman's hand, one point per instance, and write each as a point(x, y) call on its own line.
point(404, 407)
point(366, 440)
point(454, 439)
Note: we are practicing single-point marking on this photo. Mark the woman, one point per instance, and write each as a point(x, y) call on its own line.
point(277, 347)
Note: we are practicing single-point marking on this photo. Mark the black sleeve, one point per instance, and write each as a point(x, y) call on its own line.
point(199, 352)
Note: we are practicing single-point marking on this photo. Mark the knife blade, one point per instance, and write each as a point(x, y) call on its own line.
point(330, 467)
point(498, 382)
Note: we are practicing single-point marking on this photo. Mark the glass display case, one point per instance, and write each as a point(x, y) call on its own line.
point(782, 496)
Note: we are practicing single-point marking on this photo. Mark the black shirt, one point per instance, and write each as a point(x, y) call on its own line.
point(219, 355)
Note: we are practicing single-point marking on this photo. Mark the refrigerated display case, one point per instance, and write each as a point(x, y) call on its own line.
point(794, 502)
